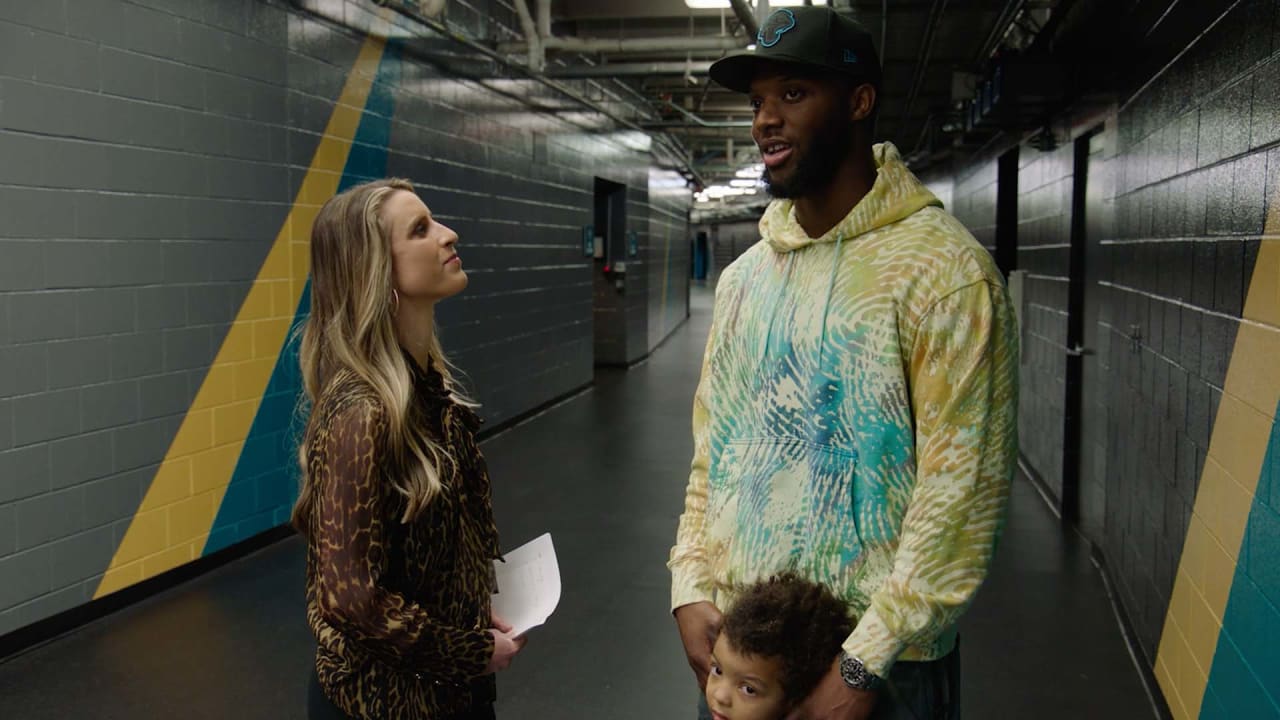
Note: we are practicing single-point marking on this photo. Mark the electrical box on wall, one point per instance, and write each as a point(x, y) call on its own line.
point(588, 241)
point(633, 243)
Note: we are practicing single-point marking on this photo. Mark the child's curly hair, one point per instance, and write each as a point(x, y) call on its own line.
point(793, 619)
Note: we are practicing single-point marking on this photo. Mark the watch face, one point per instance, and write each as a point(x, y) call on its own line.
point(855, 675)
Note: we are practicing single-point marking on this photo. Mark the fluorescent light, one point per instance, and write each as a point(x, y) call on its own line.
point(740, 183)
point(716, 4)
point(751, 173)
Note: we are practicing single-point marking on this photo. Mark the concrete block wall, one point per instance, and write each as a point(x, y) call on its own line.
point(729, 240)
point(1043, 231)
point(161, 163)
point(670, 255)
point(1178, 469)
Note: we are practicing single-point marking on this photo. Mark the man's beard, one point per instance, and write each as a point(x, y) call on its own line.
point(818, 161)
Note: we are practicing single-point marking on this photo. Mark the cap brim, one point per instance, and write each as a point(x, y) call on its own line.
point(737, 71)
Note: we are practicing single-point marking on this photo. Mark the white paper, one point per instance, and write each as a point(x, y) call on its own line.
point(528, 585)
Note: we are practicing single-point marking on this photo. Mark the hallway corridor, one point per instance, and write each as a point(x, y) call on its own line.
point(604, 473)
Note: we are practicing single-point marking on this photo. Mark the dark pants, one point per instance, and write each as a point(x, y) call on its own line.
point(320, 707)
point(915, 691)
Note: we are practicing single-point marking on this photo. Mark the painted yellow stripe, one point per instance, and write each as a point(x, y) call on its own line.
point(1227, 486)
point(173, 522)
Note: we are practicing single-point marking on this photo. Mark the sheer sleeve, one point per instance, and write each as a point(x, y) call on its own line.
point(351, 517)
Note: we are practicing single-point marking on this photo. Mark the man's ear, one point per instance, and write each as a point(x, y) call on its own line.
point(862, 101)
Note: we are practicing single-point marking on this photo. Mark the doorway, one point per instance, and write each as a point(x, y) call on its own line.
point(608, 273)
point(1006, 254)
point(1085, 422)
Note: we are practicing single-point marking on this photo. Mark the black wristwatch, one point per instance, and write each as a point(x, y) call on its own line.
point(856, 675)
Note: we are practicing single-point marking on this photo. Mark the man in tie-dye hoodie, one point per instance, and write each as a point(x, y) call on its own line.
point(856, 417)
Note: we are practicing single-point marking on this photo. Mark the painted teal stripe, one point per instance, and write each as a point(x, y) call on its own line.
point(1244, 681)
point(265, 482)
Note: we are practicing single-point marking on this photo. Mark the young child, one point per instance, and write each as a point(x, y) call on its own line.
point(777, 641)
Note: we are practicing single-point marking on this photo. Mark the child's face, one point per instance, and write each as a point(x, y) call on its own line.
point(744, 687)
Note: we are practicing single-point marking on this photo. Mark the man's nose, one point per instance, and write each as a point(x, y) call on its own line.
point(766, 117)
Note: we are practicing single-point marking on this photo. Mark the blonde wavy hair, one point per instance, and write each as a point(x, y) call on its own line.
point(350, 335)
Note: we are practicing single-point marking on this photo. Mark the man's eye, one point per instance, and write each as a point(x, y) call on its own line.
point(793, 94)
point(755, 104)
point(421, 229)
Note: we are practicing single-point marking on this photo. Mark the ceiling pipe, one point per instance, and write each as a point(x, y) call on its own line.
point(747, 18)
point(630, 45)
point(707, 123)
point(544, 18)
point(926, 50)
point(1003, 21)
point(537, 58)
point(634, 69)
point(692, 132)
point(884, 29)
point(439, 27)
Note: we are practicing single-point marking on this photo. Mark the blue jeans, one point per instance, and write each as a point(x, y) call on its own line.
point(915, 691)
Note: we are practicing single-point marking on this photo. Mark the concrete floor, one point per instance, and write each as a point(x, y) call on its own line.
point(605, 474)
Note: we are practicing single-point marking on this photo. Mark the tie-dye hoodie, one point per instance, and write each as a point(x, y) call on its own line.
point(855, 420)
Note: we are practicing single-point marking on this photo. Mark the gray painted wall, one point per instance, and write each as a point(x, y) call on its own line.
point(150, 151)
point(1177, 189)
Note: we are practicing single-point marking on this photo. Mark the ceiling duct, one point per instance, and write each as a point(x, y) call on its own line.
point(425, 8)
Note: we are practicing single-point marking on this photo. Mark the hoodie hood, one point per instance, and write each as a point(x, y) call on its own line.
point(896, 194)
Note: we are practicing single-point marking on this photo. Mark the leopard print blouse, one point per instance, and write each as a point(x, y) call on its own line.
point(400, 611)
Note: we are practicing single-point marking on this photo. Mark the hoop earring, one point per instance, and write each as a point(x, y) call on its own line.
point(395, 302)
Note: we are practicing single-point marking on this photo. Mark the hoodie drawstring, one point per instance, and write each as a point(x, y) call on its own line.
point(777, 303)
point(826, 306)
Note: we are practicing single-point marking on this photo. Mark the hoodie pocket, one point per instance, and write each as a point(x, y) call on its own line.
point(782, 503)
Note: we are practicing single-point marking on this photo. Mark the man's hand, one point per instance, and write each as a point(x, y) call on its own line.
point(832, 699)
point(699, 625)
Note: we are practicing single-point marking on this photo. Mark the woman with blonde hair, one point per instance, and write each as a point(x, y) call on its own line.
point(395, 501)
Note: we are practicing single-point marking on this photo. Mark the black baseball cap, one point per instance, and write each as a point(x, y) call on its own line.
point(816, 37)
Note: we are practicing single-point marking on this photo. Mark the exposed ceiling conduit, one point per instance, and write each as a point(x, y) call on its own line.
point(676, 153)
point(631, 45)
point(544, 18)
point(926, 50)
point(747, 17)
point(707, 123)
point(1003, 21)
point(537, 59)
point(634, 69)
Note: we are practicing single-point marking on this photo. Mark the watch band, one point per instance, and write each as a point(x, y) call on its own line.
point(856, 675)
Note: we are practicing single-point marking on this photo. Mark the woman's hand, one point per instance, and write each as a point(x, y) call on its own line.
point(499, 623)
point(505, 647)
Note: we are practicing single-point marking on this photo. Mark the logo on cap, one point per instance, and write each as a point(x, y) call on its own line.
point(850, 56)
point(774, 26)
